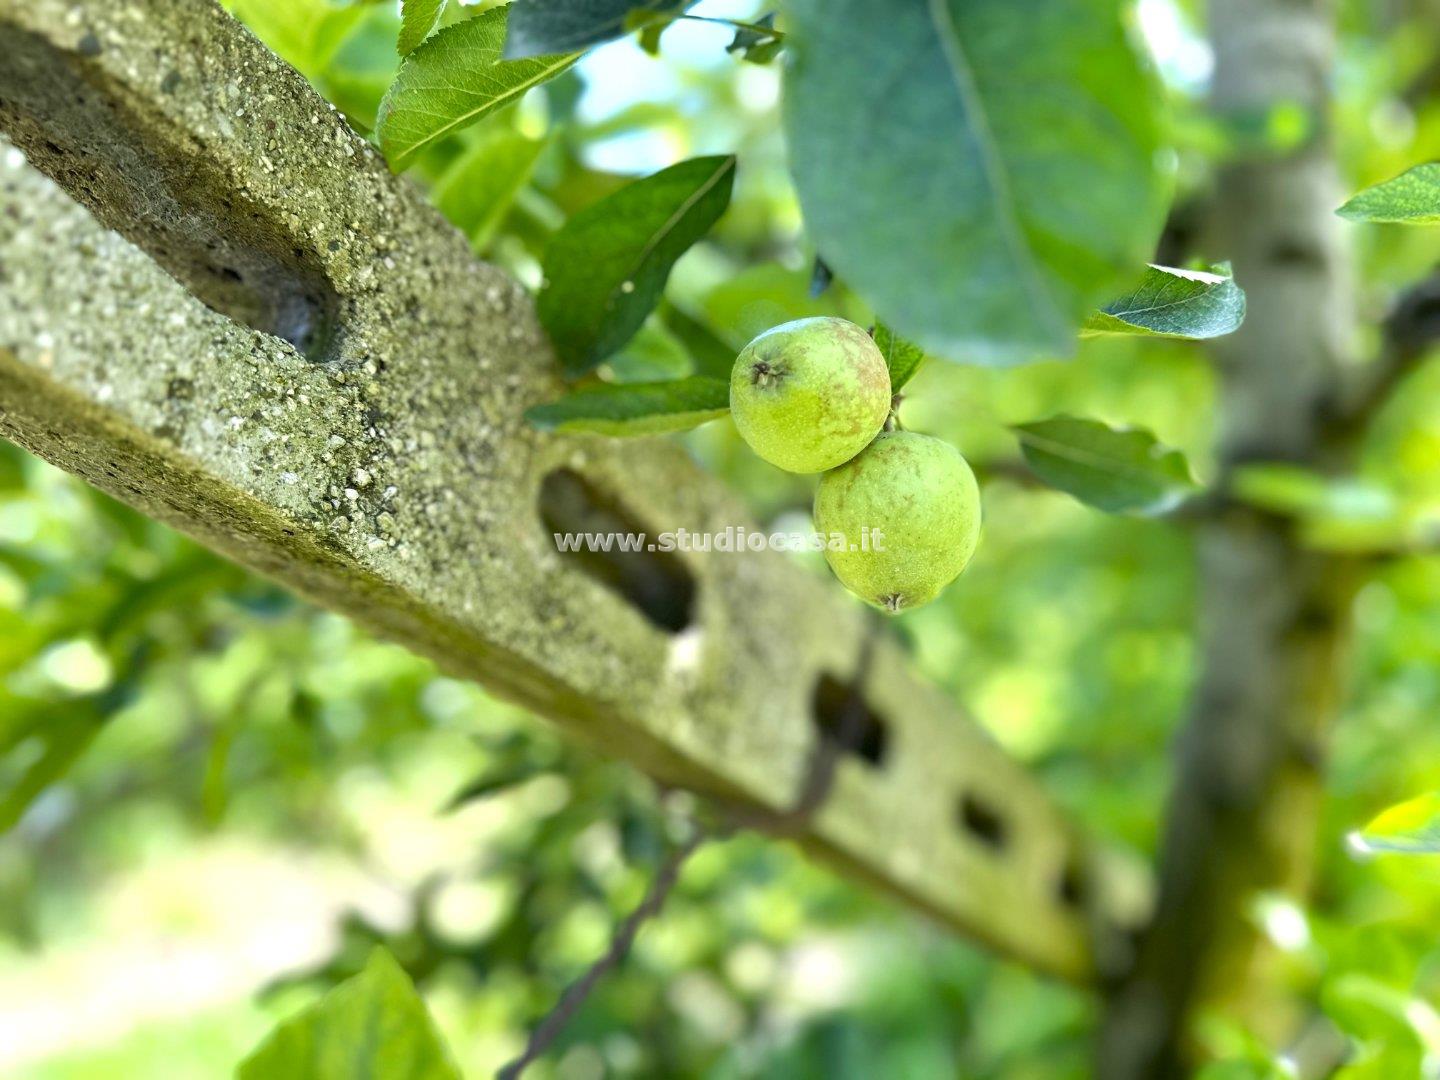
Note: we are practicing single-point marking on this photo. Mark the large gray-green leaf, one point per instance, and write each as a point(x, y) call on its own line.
point(1412, 198)
point(479, 188)
point(607, 266)
point(454, 79)
point(1174, 303)
point(371, 1027)
point(1119, 470)
point(417, 19)
point(635, 408)
point(551, 26)
point(1412, 827)
point(982, 173)
point(902, 357)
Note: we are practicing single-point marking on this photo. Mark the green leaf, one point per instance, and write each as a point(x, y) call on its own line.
point(454, 79)
point(654, 354)
point(551, 26)
point(63, 739)
point(307, 33)
point(607, 266)
point(759, 42)
point(371, 1027)
point(1120, 470)
point(1283, 488)
point(364, 66)
point(1412, 198)
point(821, 277)
point(710, 354)
point(982, 178)
point(1334, 513)
point(902, 357)
point(1377, 1061)
point(496, 781)
point(417, 19)
point(651, 27)
point(1189, 304)
point(635, 408)
point(1412, 827)
point(1369, 1009)
point(479, 188)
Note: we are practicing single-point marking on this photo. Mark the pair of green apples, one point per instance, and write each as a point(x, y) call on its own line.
point(813, 396)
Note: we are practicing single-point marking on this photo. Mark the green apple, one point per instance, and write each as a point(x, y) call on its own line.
point(811, 394)
point(909, 510)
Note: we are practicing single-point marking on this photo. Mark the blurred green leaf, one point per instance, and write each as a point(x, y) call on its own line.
point(710, 354)
point(1337, 513)
point(454, 79)
point(821, 277)
point(759, 42)
point(418, 18)
point(981, 221)
point(1175, 303)
point(552, 26)
point(305, 32)
point(1374, 1011)
point(902, 357)
point(494, 782)
point(12, 468)
point(1412, 198)
point(761, 296)
point(1243, 1070)
point(362, 69)
point(1411, 827)
point(635, 408)
point(1119, 470)
point(481, 185)
point(63, 738)
point(654, 354)
point(651, 27)
point(1382, 1063)
point(1289, 489)
point(607, 266)
point(371, 1027)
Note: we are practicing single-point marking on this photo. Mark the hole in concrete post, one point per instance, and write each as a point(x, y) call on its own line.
point(831, 700)
point(982, 821)
point(161, 190)
point(656, 582)
point(1071, 886)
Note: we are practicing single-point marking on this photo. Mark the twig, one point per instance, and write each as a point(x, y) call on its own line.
point(818, 780)
point(738, 24)
point(575, 994)
point(1410, 331)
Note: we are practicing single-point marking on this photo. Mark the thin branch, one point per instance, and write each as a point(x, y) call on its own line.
point(814, 789)
point(1409, 333)
point(738, 24)
point(549, 1029)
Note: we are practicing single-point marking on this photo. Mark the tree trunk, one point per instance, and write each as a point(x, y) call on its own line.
point(1274, 616)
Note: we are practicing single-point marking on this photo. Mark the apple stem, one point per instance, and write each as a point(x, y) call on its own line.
point(892, 422)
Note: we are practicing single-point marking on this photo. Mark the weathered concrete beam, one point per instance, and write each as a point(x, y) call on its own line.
point(282, 351)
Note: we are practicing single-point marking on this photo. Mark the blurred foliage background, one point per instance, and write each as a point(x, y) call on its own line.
point(214, 798)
